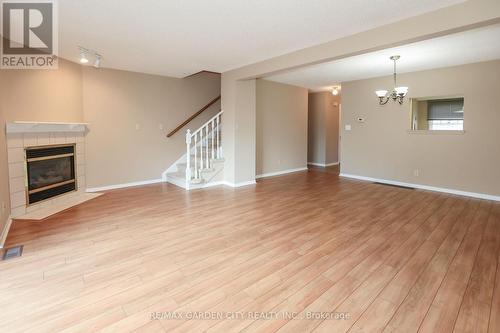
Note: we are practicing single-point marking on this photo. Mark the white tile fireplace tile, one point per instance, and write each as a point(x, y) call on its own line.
point(16, 155)
point(57, 207)
point(43, 139)
point(38, 206)
point(80, 148)
point(66, 197)
point(80, 170)
point(18, 199)
point(16, 184)
point(18, 211)
point(80, 137)
point(15, 140)
point(81, 182)
point(70, 137)
point(29, 140)
point(16, 169)
point(57, 138)
point(80, 159)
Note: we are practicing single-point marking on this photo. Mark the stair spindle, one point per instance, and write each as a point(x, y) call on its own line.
point(201, 149)
point(188, 154)
point(206, 147)
point(213, 134)
point(218, 139)
point(195, 156)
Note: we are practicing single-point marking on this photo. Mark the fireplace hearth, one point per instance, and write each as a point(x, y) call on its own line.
point(50, 172)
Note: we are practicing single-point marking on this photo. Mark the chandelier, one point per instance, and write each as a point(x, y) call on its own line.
point(397, 94)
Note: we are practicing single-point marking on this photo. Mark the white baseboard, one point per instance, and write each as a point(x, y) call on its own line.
point(207, 185)
point(212, 184)
point(425, 187)
point(117, 186)
point(277, 173)
point(322, 164)
point(3, 236)
point(250, 182)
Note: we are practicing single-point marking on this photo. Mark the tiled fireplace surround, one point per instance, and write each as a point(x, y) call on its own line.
point(41, 135)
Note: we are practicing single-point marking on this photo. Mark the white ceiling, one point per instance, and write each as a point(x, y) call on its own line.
point(181, 37)
point(461, 48)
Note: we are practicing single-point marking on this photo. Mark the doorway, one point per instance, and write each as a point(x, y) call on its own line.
point(323, 141)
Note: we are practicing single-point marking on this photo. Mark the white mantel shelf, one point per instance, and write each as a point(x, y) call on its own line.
point(44, 127)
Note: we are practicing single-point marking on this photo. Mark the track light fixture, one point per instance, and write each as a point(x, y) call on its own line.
point(85, 54)
point(97, 62)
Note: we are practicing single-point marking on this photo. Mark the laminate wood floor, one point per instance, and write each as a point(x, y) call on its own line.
point(304, 252)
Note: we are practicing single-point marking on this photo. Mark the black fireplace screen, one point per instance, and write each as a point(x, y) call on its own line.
point(51, 172)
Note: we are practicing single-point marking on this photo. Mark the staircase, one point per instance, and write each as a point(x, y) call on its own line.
point(203, 162)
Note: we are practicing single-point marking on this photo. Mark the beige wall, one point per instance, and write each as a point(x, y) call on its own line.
point(316, 143)
point(281, 127)
point(245, 140)
point(382, 148)
point(126, 110)
point(323, 128)
point(43, 95)
point(37, 95)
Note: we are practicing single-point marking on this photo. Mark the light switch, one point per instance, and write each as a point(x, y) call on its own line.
point(347, 127)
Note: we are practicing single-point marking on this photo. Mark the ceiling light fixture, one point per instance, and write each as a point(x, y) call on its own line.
point(97, 62)
point(83, 55)
point(397, 94)
point(335, 91)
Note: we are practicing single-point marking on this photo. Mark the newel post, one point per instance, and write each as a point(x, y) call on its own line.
point(188, 156)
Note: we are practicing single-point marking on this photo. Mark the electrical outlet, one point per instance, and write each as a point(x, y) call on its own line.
point(347, 127)
point(416, 172)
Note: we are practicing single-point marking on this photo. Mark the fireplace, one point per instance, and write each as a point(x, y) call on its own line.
point(50, 172)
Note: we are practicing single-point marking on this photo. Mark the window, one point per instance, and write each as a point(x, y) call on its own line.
point(438, 114)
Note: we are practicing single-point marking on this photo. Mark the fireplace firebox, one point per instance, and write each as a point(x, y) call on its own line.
point(50, 172)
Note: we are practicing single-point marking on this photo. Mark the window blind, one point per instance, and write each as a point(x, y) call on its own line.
point(448, 109)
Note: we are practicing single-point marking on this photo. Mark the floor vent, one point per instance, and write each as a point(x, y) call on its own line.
point(400, 186)
point(13, 252)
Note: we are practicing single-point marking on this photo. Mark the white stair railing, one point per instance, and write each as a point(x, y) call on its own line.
point(206, 145)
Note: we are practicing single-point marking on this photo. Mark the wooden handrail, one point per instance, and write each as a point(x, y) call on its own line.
point(193, 116)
